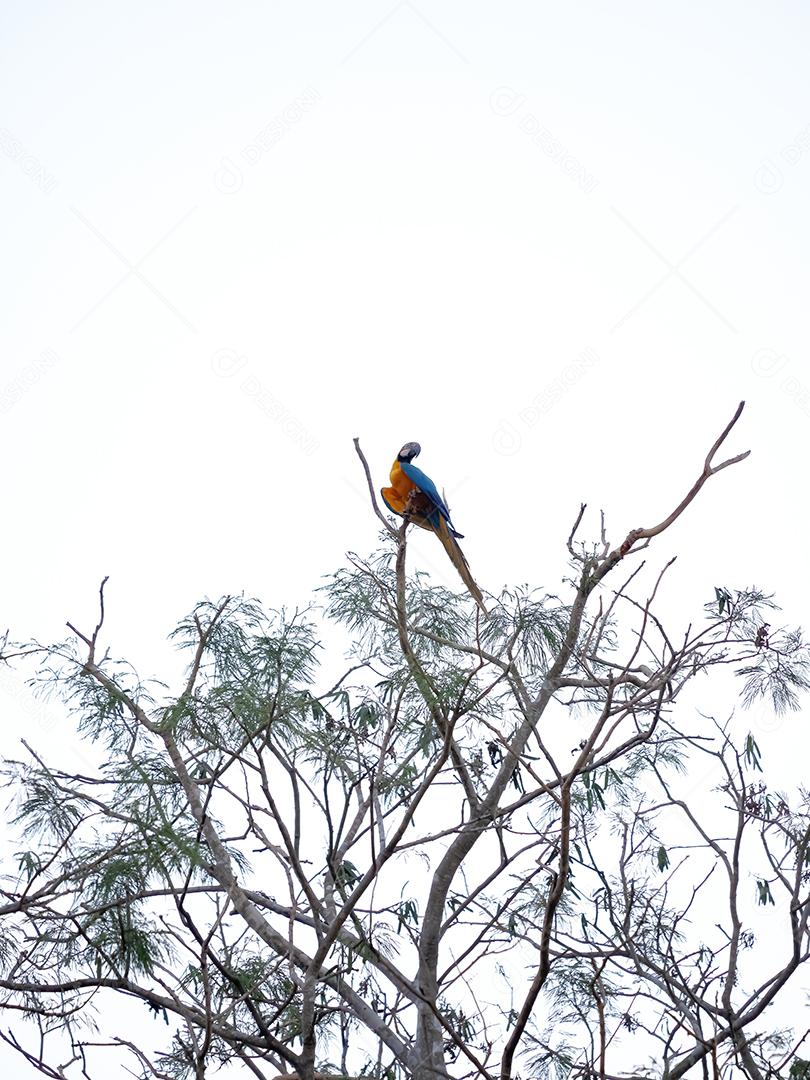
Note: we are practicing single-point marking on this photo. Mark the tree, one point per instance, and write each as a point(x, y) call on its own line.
point(419, 871)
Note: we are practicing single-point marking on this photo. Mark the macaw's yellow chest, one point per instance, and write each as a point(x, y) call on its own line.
point(400, 482)
point(397, 495)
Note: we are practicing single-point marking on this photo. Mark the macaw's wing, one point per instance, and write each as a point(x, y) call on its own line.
point(426, 508)
point(450, 545)
point(393, 500)
point(428, 488)
point(420, 508)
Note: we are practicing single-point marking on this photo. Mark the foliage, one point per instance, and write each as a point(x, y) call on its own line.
point(494, 847)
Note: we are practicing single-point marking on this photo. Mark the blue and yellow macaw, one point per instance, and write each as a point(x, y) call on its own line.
point(413, 494)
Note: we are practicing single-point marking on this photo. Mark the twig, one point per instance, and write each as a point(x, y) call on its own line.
point(575, 527)
point(91, 642)
point(390, 529)
point(38, 1064)
point(204, 637)
point(708, 470)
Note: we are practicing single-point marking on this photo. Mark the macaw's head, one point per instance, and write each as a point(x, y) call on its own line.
point(409, 451)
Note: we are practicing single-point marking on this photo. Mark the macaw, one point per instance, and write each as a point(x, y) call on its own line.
point(413, 494)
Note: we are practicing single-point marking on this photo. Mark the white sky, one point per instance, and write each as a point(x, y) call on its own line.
point(237, 235)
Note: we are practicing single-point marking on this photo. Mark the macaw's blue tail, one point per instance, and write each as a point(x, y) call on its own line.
point(450, 545)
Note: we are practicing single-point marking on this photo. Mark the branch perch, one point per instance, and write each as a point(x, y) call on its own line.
point(708, 470)
point(389, 528)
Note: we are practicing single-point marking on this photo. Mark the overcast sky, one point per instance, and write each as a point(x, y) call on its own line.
point(555, 243)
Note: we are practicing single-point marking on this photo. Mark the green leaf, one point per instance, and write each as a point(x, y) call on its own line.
point(347, 874)
point(407, 912)
point(365, 718)
point(595, 797)
point(753, 755)
point(612, 777)
point(723, 598)
point(764, 895)
point(29, 863)
point(365, 950)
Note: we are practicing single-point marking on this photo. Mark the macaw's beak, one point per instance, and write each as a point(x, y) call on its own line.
point(409, 451)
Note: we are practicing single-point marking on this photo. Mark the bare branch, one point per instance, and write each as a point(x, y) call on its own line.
point(635, 535)
point(373, 495)
point(90, 642)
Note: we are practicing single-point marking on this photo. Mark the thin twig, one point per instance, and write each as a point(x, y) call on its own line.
point(575, 527)
point(389, 527)
point(90, 642)
point(708, 470)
